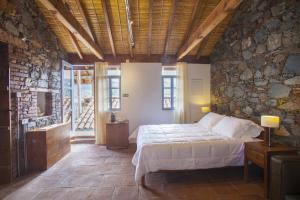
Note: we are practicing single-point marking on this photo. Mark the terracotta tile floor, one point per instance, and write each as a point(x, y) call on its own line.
point(92, 172)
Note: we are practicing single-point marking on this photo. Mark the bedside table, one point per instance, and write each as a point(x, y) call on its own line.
point(117, 134)
point(260, 154)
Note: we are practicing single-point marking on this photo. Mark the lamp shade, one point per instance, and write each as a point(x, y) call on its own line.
point(270, 121)
point(205, 109)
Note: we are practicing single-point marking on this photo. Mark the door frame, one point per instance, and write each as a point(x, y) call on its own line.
point(72, 68)
point(66, 64)
point(79, 67)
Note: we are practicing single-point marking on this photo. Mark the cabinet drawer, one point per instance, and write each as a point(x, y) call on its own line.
point(256, 157)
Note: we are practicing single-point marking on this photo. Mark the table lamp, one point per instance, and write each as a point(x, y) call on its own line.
point(270, 122)
point(205, 109)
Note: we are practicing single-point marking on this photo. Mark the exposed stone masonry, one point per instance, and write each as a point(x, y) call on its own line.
point(35, 57)
point(256, 65)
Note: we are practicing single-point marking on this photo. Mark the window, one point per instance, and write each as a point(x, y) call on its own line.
point(114, 88)
point(168, 88)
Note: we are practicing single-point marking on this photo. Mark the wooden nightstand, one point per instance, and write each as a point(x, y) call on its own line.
point(117, 134)
point(260, 154)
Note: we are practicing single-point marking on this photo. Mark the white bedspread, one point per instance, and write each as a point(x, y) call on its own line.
point(184, 146)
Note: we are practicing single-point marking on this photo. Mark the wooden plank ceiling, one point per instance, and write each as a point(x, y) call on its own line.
point(160, 27)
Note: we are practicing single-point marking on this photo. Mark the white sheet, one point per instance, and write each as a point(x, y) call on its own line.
point(184, 146)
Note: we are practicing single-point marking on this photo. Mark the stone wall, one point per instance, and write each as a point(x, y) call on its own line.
point(256, 65)
point(35, 57)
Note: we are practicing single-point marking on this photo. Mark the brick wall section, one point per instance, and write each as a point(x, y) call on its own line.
point(35, 57)
point(256, 65)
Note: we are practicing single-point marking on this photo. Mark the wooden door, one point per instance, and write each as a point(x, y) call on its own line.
point(5, 134)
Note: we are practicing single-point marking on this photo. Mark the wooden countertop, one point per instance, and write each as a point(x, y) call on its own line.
point(47, 128)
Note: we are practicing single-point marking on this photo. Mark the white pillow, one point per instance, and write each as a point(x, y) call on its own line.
point(253, 130)
point(228, 127)
point(237, 128)
point(210, 120)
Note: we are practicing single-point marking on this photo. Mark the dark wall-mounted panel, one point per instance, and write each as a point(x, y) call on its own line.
point(5, 134)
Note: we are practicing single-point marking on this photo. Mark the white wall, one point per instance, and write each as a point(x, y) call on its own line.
point(142, 82)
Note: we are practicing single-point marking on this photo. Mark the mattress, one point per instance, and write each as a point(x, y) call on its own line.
point(182, 147)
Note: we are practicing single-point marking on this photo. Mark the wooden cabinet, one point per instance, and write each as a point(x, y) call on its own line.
point(260, 154)
point(117, 135)
point(47, 145)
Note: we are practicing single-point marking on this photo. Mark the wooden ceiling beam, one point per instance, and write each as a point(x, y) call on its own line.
point(121, 58)
point(201, 47)
point(85, 20)
point(150, 26)
point(69, 21)
point(108, 28)
point(129, 27)
point(170, 25)
point(220, 12)
point(120, 24)
point(75, 44)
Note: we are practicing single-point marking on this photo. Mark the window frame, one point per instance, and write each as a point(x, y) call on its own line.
point(172, 88)
point(110, 88)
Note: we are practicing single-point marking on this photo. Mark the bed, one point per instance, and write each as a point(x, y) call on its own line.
point(185, 147)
